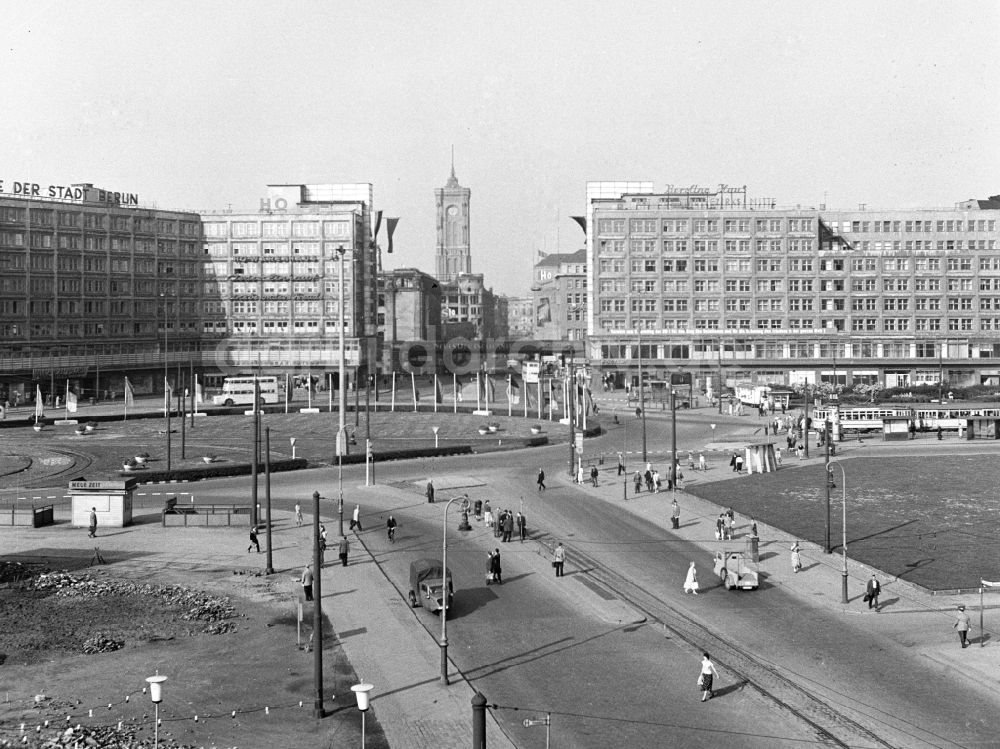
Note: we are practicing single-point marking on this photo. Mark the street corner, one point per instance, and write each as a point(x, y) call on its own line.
point(976, 662)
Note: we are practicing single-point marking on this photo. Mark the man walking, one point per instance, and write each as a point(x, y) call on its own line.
point(962, 625)
point(559, 559)
point(593, 475)
point(521, 526)
point(343, 549)
point(675, 515)
point(356, 519)
point(872, 591)
point(307, 581)
point(621, 464)
point(508, 526)
point(253, 539)
point(541, 480)
point(298, 514)
point(93, 523)
point(430, 491)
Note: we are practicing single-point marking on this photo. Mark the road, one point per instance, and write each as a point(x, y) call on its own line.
point(537, 645)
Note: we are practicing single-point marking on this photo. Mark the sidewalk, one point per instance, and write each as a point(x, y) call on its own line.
point(916, 618)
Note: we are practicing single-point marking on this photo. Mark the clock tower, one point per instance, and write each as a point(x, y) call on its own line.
point(452, 251)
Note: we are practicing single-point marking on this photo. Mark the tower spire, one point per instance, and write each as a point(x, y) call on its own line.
point(452, 180)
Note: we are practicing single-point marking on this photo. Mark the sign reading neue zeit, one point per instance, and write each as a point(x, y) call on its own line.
point(82, 193)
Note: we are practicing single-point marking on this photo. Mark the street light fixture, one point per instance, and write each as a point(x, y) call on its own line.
point(445, 590)
point(318, 709)
point(546, 721)
point(156, 695)
point(341, 360)
point(361, 693)
point(843, 524)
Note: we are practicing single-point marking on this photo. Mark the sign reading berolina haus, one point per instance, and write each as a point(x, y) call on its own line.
point(83, 193)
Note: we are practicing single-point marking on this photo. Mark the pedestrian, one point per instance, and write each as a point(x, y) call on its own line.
point(690, 460)
point(777, 455)
point(508, 527)
point(322, 537)
point(648, 476)
point(753, 527)
point(495, 567)
point(638, 412)
point(701, 462)
point(637, 480)
point(92, 526)
point(298, 514)
point(593, 475)
point(739, 464)
point(621, 464)
point(732, 462)
point(691, 581)
point(707, 676)
point(253, 539)
point(579, 473)
point(962, 625)
point(872, 591)
point(489, 568)
point(675, 514)
point(498, 526)
point(356, 519)
point(521, 526)
point(307, 581)
point(720, 527)
point(488, 514)
point(541, 480)
point(731, 522)
point(656, 481)
point(559, 559)
point(343, 549)
point(765, 429)
point(796, 557)
point(430, 491)
point(912, 429)
point(939, 432)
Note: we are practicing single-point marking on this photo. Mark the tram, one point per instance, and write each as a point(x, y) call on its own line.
point(925, 417)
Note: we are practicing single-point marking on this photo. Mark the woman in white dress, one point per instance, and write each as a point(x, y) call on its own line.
point(796, 557)
point(707, 676)
point(691, 581)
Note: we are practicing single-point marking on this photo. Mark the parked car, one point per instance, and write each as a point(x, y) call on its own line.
point(427, 585)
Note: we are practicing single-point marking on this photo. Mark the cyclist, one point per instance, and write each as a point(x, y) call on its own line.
point(390, 529)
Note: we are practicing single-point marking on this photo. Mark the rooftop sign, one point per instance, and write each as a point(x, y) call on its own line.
point(81, 193)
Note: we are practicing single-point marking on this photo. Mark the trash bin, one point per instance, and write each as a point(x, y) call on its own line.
point(754, 548)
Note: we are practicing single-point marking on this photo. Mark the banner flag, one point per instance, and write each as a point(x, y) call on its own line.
point(71, 401)
point(39, 405)
point(198, 396)
point(129, 393)
point(988, 584)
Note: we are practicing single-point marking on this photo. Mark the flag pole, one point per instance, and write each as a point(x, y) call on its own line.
point(66, 399)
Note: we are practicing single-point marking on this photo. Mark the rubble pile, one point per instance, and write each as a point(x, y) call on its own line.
point(96, 737)
point(101, 643)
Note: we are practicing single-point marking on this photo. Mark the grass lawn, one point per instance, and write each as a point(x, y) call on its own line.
point(931, 520)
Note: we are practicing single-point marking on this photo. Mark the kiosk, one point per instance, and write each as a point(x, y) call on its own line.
point(111, 499)
point(760, 458)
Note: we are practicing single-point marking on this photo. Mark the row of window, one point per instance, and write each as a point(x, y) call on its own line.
point(46, 217)
point(338, 229)
point(43, 241)
point(802, 304)
point(909, 227)
point(705, 225)
point(799, 265)
point(858, 325)
point(258, 249)
point(708, 246)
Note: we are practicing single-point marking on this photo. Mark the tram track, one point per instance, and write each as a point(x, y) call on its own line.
point(831, 724)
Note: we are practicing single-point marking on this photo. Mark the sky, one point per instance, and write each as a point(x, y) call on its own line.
point(200, 105)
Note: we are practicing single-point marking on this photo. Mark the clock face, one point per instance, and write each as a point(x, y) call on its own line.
point(453, 210)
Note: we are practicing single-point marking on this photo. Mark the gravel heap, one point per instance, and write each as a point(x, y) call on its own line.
point(95, 737)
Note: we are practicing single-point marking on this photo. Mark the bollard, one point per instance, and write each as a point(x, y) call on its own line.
point(478, 721)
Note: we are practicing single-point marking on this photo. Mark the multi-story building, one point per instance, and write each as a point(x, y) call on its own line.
point(708, 280)
point(273, 278)
point(409, 313)
point(93, 286)
point(453, 253)
point(520, 316)
point(559, 293)
point(470, 310)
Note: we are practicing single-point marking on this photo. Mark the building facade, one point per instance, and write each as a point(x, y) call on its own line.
point(409, 312)
point(273, 283)
point(94, 286)
point(559, 294)
point(708, 281)
point(453, 253)
point(521, 316)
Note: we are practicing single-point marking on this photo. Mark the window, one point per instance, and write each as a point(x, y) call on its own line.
point(927, 284)
point(642, 245)
point(675, 226)
point(675, 266)
point(959, 323)
point(863, 264)
point(928, 304)
point(675, 305)
point(800, 284)
point(864, 304)
point(928, 323)
point(796, 264)
point(611, 226)
point(959, 284)
point(894, 264)
point(895, 284)
point(960, 303)
point(642, 226)
point(896, 303)
point(864, 324)
point(647, 265)
point(706, 266)
point(959, 263)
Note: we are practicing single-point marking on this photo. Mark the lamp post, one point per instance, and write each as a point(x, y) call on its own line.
point(445, 591)
point(642, 400)
point(341, 360)
point(361, 692)
point(156, 695)
point(435, 430)
point(166, 387)
point(269, 569)
point(941, 347)
point(720, 376)
point(673, 441)
point(318, 710)
point(843, 525)
point(826, 443)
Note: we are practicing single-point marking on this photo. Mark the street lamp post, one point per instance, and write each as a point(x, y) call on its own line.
point(673, 441)
point(318, 710)
point(843, 526)
point(341, 359)
point(166, 387)
point(546, 721)
point(826, 443)
point(445, 590)
point(642, 399)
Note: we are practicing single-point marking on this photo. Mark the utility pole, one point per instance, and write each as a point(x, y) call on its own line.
point(826, 475)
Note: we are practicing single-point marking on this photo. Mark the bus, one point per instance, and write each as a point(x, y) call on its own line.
point(237, 391)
